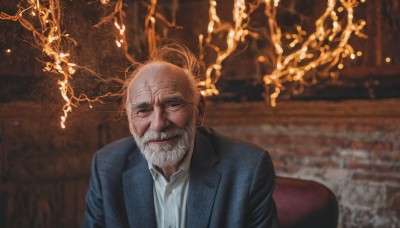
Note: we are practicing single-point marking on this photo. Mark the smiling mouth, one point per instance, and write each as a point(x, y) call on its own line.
point(163, 140)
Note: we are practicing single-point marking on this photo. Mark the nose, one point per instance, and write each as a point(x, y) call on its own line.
point(160, 120)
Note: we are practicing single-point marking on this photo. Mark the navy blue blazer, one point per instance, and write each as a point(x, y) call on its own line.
point(231, 185)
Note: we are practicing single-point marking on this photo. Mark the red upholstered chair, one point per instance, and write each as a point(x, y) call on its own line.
point(303, 203)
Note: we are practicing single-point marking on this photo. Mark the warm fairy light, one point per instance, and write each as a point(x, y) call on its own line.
point(388, 59)
point(261, 59)
point(320, 52)
point(150, 26)
point(121, 30)
point(298, 56)
point(49, 37)
point(8, 51)
point(235, 33)
point(105, 2)
point(118, 17)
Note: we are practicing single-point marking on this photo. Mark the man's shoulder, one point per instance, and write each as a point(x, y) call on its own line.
point(235, 154)
point(117, 151)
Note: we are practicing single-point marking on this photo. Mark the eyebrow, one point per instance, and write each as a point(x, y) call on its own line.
point(141, 105)
point(171, 99)
point(174, 99)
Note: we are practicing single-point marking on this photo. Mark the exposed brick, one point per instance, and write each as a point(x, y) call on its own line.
point(333, 127)
point(285, 164)
point(373, 167)
point(377, 177)
point(322, 164)
point(308, 152)
point(393, 195)
point(366, 128)
point(386, 156)
point(371, 146)
point(298, 140)
point(363, 194)
point(350, 128)
point(337, 174)
point(354, 154)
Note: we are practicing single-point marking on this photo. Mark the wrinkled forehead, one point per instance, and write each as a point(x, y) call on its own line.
point(159, 78)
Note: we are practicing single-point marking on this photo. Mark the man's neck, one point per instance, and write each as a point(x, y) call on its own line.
point(168, 171)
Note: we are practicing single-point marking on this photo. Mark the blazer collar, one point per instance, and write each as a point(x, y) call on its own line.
point(138, 192)
point(204, 181)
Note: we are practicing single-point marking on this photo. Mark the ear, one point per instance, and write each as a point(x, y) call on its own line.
point(201, 107)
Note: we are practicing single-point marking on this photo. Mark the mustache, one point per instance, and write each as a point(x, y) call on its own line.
point(158, 136)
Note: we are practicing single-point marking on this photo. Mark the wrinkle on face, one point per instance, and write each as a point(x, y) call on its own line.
point(156, 86)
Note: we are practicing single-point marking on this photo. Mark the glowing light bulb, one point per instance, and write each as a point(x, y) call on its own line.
point(261, 58)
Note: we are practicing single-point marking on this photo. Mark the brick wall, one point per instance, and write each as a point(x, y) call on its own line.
point(352, 147)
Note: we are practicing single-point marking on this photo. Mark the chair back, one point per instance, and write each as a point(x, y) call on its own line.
point(304, 203)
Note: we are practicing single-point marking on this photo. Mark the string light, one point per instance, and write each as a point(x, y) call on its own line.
point(105, 2)
point(150, 26)
point(7, 51)
point(297, 56)
point(235, 34)
point(49, 38)
point(320, 52)
point(118, 17)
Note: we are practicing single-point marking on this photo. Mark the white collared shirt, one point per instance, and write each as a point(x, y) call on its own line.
point(170, 197)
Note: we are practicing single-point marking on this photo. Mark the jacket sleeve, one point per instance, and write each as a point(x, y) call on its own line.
point(261, 210)
point(94, 212)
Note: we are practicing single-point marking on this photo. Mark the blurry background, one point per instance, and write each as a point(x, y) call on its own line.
point(342, 130)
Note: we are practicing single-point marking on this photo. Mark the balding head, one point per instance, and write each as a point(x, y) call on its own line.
point(157, 75)
point(171, 54)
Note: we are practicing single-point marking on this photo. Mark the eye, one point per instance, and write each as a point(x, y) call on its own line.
point(174, 106)
point(142, 112)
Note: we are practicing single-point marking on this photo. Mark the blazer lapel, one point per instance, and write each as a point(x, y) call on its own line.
point(203, 183)
point(138, 192)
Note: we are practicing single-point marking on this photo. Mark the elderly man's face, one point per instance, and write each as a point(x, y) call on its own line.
point(163, 113)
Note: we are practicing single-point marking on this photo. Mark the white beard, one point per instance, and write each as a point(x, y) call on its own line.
point(168, 154)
